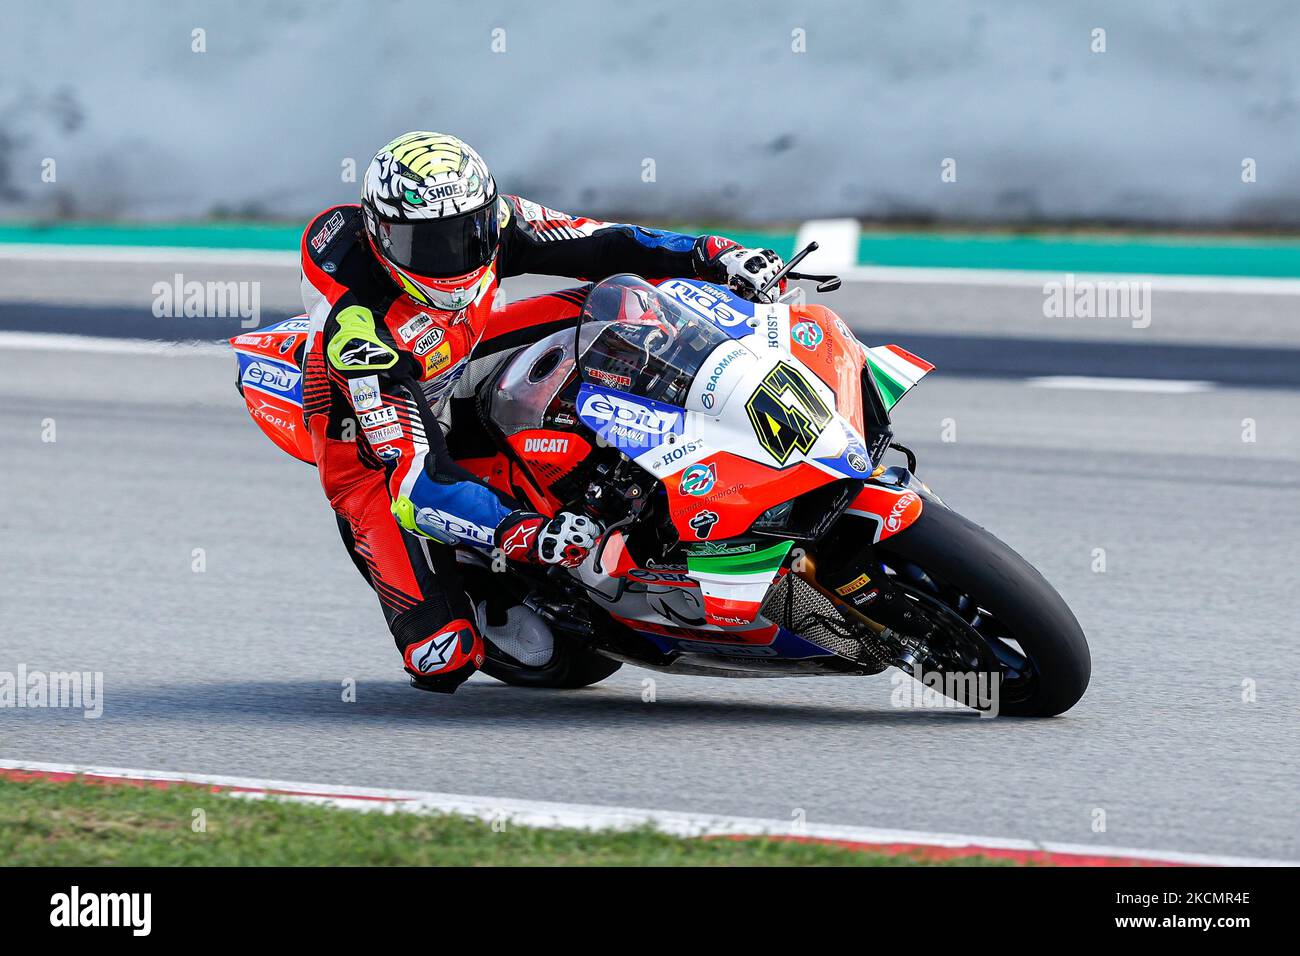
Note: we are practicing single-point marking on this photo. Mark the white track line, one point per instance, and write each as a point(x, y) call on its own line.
point(547, 815)
point(1169, 386)
point(57, 342)
point(1013, 278)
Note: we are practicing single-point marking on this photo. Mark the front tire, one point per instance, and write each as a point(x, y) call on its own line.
point(1001, 596)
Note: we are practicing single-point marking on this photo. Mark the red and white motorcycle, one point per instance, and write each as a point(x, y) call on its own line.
point(734, 453)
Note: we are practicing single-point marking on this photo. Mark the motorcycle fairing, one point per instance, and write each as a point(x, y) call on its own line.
point(892, 509)
point(783, 645)
point(270, 380)
point(728, 311)
point(895, 370)
point(772, 434)
point(735, 579)
point(632, 424)
point(718, 496)
point(823, 343)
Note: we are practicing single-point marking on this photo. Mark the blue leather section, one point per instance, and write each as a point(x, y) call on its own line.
point(659, 239)
point(458, 512)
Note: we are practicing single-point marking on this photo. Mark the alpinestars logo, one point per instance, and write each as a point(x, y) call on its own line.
point(520, 540)
point(361, 353)
point(435, 653)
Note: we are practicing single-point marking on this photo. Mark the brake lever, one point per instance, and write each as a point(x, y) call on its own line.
point(784, 271)
point(824, 283)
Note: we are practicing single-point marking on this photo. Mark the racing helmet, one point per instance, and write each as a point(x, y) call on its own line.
point(433, 218)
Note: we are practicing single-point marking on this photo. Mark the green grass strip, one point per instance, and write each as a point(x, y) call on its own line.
point(81, 824)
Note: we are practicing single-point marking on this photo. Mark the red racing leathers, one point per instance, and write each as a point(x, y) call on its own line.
point(379, 378)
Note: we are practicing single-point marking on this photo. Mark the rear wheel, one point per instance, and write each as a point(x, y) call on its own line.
point(970, 605)
point(570, 667)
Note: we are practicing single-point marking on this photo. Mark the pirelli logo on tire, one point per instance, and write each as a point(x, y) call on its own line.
point(787, 413)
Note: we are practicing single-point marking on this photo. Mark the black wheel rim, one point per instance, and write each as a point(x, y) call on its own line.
point(956, 633)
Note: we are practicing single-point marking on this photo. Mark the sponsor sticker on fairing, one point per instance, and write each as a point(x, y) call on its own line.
point(719, 376)
point(626, 421)
point(807, 334)
point(546, 446)
point(714, 303)
point(894, 520)
point(774, 325)
point(290, 325)
point(272, 377)
point(612, 379)
point(365, 392)
point(676, 452)
point(272, 414)
point(699, 479)
point(703, 522)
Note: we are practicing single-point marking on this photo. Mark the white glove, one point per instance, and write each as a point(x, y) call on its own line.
point(567, 539)
point(745, 271)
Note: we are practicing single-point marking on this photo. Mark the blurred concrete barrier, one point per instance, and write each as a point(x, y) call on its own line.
point(1016, 111)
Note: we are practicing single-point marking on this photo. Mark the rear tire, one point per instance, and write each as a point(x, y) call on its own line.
point(571, 667)
point(961, 554)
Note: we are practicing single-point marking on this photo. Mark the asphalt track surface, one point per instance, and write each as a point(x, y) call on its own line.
point(239, 669)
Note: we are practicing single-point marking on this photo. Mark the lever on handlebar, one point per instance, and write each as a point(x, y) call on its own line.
point(824, 283)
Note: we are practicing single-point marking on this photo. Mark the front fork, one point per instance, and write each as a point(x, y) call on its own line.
point(894, 499)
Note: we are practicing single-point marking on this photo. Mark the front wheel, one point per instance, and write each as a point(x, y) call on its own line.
point(971, 604)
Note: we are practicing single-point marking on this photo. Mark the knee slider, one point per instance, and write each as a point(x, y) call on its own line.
point(432, 648)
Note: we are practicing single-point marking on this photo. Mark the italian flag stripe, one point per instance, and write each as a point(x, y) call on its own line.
point(753, 562)
point(895, 370)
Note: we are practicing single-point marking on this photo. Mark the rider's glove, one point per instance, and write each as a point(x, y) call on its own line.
point(743, 271)
point(566, 539)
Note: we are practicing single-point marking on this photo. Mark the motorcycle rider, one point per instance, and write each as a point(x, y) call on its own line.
point(402, 292)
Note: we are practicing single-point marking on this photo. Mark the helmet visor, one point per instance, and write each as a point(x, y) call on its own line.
point(442, 248)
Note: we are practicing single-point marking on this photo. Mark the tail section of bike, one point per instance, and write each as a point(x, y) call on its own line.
point(270, 380)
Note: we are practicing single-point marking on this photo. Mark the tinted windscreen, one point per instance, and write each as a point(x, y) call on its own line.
point(636, 339)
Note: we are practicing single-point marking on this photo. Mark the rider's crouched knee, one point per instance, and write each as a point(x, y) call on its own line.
point(438, 654)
